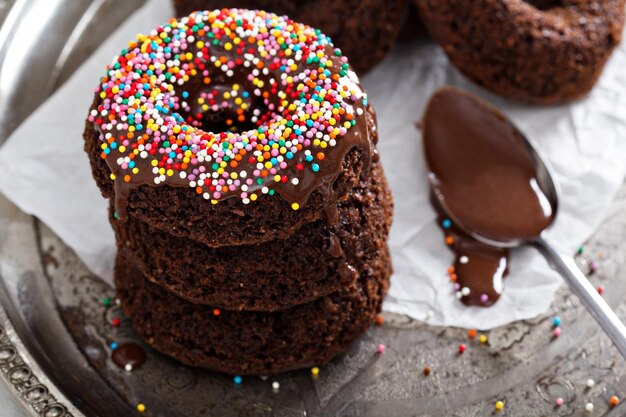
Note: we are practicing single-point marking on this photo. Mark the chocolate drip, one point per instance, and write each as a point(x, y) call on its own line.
point(129, 356)
point(483, 177)
point(347, 273)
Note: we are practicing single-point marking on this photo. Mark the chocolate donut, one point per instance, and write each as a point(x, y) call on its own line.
point(252, 342)
point(229, 127)
point(316, 260)
point(365, 30)
point(539, 51)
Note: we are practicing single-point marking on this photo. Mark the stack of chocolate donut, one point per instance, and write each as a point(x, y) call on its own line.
point(238, 152)
point(538, 51)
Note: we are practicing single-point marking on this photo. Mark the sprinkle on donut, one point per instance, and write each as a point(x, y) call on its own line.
point(283, 96)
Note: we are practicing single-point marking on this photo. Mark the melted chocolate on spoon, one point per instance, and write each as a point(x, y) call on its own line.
point(483, 176)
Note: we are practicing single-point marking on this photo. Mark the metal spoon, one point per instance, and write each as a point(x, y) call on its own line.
point(565, 265)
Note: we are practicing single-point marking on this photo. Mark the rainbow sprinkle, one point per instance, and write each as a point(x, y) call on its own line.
point(284, 81)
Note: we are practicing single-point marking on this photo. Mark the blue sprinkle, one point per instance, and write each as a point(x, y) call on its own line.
point(185, 94)
point(172, 154)
point(446, 223)
point(107, 151)
point(113, 145)
point(315, 167)
point(131, 164)
point(309, 158)
point(556, 321)
point(139, 126)
point(114, 345)
point(289, 155)
point(237, 380)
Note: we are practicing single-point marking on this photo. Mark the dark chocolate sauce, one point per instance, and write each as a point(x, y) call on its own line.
point(128, 356)
point(483, 176)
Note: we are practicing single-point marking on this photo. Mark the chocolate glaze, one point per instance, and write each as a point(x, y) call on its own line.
point(129, 354)
point(483, 177)
point(322, 181)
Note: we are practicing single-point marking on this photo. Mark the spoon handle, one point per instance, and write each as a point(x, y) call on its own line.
point(580, 285)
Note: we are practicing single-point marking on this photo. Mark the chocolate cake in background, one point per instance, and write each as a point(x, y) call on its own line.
point(238, 151)
point(365, 30)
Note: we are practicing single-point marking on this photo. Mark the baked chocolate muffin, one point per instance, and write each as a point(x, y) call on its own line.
point(365, 30)
point(229, 127)
point(246, 342)
point(539, 51)
point(316, 260)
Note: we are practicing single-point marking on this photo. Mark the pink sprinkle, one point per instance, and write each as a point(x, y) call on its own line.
point(556, 331)
point(484, 298)
point(380, 348)
point(559, 402)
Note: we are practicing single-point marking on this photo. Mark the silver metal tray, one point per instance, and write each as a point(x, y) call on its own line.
point(55, 330)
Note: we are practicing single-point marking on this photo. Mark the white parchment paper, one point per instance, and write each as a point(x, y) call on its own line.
point(45, 172)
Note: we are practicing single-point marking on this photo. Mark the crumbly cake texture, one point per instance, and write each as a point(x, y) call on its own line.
point(365, 30)
point(293, 123)
point(539, 51)
point(245, 342)
point(316, 260)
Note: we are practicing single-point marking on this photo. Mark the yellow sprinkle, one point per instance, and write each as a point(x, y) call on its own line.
point(253, 197)
point(499, 405)
point(141, 407)
point(482, 338)
point(296, 206)
point(315, 371)
point(113, 177)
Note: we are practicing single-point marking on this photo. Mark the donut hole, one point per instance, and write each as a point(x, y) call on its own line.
point(222, 106)
point(546, 4)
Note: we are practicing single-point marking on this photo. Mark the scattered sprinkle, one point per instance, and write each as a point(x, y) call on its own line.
point(128, 367)
point(141, 407)
point(484, 298)
point(217, 312)
point(463, 259)
point(114, 345)
point(601, 289)
point(593, 267)
point(315, 371)
point(446, 223)
point(462, 348)
point(106, 301)
point(275, 386)
point(482, 338)
point(499, 405)
point(237, 380)
point(379, 320)
point(581, 249)
point(380, 348)
point(559, 402)
point(449, 240)
point(472, 333)
point(115, 322)
point(556, 321)
point(589, 407)
point(556, 331)
point(590, 383)
point(613, 401)
point(426, 371)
